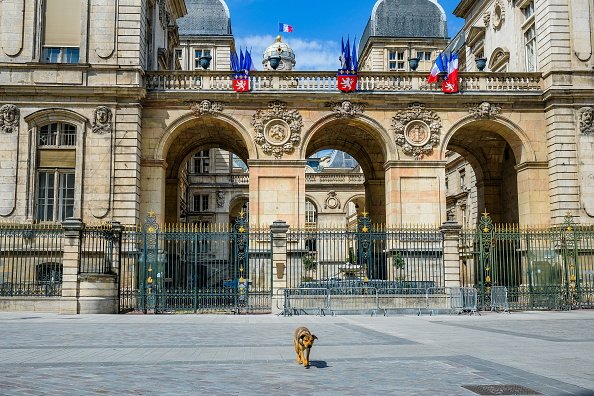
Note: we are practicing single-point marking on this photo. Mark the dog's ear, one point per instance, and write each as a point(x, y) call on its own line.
point(315, 337)
point(302, 336)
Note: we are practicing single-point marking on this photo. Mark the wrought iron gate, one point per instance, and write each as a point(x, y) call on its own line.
point(547, 268)
point(187, 268)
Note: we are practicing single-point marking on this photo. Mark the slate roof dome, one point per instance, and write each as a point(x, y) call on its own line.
point(407, 18)
point(205, 18)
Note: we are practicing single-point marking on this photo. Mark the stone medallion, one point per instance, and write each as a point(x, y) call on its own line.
point(332, 201)
point(417, 130)
point(278, 130)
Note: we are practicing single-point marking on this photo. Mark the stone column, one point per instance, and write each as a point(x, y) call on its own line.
point(451, 253)
point(70, 262)
point(279, 264)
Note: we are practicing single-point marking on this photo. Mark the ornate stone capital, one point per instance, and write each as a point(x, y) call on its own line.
point(278, 130)
point(417, 130)
point(102, 120)
point(484, 110)
point(347, 109)
point(332, 201)
point(586, 120)
point(9, 118)
point(206, 107)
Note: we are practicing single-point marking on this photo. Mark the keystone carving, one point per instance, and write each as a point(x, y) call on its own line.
point(9, 118)
point(586, 117)
point(484, 110)
point(347, 109)
point(417, 130)
point(206, 107)
point(278, 130)
point(102, 120)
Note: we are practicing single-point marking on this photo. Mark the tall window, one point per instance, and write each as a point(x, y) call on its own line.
point(55, 195)
point(62, 32)
point(201, 203)
point(311, 214)
point(55, 177)
point(529, 28)
point(396, 59)
point(201, 162)
point(198, 53)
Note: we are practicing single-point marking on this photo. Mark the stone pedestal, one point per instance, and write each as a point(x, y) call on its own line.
point(451, 253)
point(98, 294)
point(70, 262)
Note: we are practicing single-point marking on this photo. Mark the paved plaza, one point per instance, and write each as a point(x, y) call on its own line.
point(549, 353)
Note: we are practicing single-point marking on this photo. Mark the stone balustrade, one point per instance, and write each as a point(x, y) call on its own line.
point(310, 178)
point(317, 81)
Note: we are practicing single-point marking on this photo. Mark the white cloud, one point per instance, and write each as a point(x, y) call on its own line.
point(309, 54)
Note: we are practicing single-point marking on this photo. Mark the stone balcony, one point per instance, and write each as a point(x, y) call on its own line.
point(325, 82)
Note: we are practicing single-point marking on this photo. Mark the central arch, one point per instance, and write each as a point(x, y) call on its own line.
point(368, 143)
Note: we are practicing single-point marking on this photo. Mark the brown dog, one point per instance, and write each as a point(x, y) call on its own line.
point(303, 342)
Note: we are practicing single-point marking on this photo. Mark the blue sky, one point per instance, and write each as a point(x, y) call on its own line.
point(318, 26)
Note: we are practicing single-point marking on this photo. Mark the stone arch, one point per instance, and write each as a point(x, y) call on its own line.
point(45, 116)
point(367, 142)
point(189, 121)
point(503, 161)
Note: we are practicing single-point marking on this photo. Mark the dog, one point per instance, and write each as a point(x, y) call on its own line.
point(303, 342)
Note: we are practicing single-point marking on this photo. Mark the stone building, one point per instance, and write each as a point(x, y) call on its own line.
point(101, 116)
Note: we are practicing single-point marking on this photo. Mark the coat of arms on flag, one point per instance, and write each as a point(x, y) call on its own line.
point(347, 78)
point(242, 66)
point(446, 69)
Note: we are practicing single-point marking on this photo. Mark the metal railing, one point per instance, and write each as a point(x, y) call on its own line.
point(372, 300)
point(322, 81)
point(31, 260)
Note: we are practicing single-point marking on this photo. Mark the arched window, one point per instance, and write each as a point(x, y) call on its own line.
point(311, 214)
point(56, 160)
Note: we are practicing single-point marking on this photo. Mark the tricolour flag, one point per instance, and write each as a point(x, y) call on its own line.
point(283, 27)
point(438, 67)
point(450, 84)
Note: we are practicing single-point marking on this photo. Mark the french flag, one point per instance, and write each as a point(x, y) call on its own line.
point(450, 84)
point(438, 67)
point(283, 27)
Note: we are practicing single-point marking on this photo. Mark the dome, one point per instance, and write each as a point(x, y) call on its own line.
point(407, 18)
point(278, 48)
point(205, 18)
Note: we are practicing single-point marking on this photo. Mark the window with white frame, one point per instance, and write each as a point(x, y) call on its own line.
point(57, 134)
point(200, 203)
point(199, 53)
point(396, 59)
point(529, 29)
point(201, 162)
point(55, 194)
point(424, 58)
point(311, 214)
point(62, 31)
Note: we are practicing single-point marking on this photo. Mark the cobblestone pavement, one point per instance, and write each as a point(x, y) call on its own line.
point(551, 353)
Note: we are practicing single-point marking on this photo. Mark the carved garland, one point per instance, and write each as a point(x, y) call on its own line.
point(417, 130)
point(206, 107)
point(278, 130)
point(586, 120)
point(9, 118)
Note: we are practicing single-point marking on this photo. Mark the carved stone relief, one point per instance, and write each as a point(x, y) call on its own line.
point(498, 14)
point(487, 18)
point(586, 120)
point(417, 130)
point(347, 109)
point(206, 107)
point(332, 201)
point(278, 130)
point(220, 199)
point(9, 118)
point(484, 110)
point(102, 120)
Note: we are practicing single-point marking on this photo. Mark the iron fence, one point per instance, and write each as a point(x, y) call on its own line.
point(31, 260)
point(97, 249)
point(380, 258)
point(541, 268)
